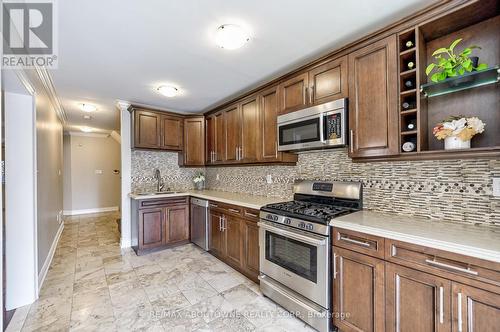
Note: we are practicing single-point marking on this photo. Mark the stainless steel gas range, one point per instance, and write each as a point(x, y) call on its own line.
point(294, 247)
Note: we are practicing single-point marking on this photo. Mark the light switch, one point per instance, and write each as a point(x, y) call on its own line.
point(98, 171)
point(269, 179)
point(496, 187)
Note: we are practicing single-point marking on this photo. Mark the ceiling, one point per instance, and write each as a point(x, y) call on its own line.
point(124, 49)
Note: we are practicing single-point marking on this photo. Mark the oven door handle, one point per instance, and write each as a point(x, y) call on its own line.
point(292, 235)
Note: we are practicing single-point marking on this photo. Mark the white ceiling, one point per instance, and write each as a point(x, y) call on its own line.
point(123, 49)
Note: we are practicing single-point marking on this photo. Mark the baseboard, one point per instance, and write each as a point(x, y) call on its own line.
point(48, 260)
point(87, 211)
point(125, 243)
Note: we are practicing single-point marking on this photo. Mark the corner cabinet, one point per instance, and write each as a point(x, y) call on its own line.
point(156, 130)
point(159, 223)
point(373, 100)
point(194, 142)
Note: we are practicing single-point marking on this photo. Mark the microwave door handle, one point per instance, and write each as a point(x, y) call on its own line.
point(292, 235)
point(321, 129)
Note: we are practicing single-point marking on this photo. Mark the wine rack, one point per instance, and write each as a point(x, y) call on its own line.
point(412, 122)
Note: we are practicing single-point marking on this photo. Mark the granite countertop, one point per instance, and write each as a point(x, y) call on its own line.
point(476, 241)
point(245, 200)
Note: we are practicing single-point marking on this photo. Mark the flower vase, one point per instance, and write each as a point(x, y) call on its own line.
point(453, 142)
point(199, 185)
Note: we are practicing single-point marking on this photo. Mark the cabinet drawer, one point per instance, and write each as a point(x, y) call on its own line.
point(163, 201)
point(364, 243)
point(442, 263)
point(226, 208)
point(251, 214)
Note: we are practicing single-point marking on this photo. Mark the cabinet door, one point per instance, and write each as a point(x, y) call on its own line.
point(171, 132)
point(293, 93)
point(233, 133)
point(416, 301)
point(220, 137)
point(475, 309)
point(216, 245)
point(147, 129)
point(151, 228)
point(194, 141)
point(373, 101)
point(232, 234)
point(210, 139)
point(250, 130)
point(177, 224)
point(358, 291)
point(250, 240)
point(269, 127)
point(329, 81)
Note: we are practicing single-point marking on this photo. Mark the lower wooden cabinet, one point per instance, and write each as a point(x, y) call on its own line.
point(474, 309)
point(159, 224)
point(416, 300)
point(358, 291)
point(234, 238)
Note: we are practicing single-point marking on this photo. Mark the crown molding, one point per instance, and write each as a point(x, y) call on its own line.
point(48, 85)
point(122, 105)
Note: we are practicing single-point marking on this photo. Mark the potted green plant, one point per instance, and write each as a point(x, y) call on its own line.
point(451, 64)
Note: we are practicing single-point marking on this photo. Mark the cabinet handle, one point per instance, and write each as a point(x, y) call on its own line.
point(360, 243)
point(459, 313)
point(223, 223)
point(237, 154)
point(311, 91)
point(213, 156)
point(213, 205)
point(451, 267)
point(251, 214)
point(334, 266)
point(441, 304)
point(351, 143)
point(241, 152)
point(234, 210)
point(220, 224)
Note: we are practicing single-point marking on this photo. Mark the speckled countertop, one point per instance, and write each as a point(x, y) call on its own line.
point(476, 241)
point(246, 200)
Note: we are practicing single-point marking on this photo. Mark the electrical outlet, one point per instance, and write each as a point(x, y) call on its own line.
point(269, 179)
point(98, 171)
point(217, 177)
point(496, 187)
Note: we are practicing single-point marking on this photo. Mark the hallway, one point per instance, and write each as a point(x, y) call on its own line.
point(92, 285)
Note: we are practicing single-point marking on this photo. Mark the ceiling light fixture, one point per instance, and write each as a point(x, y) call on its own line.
point(86, 129)
point(88, 108)
point(231, 36)
point(168, 91)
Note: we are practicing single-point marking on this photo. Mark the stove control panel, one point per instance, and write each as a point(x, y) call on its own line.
point(296, 223)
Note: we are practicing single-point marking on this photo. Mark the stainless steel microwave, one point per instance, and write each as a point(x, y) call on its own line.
point(317, 127)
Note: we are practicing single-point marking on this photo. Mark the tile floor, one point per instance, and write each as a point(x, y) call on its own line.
point(93, 285)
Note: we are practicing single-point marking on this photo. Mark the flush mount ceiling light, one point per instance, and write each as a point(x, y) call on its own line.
point(86, 129)
point(88, 108)
point(231, 36)
point(168, 91)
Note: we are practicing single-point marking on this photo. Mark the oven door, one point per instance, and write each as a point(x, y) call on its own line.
point(297, 259)
point(301, 133)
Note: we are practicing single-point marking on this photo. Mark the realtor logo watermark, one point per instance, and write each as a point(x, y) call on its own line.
point(29, 34)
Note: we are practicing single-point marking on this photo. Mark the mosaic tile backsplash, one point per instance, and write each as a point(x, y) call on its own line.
point(452, 190)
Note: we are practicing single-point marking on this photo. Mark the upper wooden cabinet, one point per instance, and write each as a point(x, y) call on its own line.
point(319, 85)
point(157, 130)
point(194, 142)
point(249, 149)
point(209, 139)
point(373, 102)
point(232, 117)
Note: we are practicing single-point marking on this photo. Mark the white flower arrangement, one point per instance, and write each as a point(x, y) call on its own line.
point(459, 126)
point(200, 177)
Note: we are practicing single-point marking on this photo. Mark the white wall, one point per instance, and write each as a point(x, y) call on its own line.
point(20, 187)
point(90, 184)
point(126, 163)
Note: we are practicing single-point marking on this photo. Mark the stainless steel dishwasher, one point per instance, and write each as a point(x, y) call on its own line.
point(199, 222)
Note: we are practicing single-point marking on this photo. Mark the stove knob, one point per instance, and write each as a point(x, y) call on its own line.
point(288, 221)
point(275, 218)
point(310, 227)
point(270, 217)
point(302, 225)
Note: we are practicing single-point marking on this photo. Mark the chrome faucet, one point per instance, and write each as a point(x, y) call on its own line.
point(159, 181)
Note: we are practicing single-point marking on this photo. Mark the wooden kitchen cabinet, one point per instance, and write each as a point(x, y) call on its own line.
point(416, 301)
point(220, 137)
point(234, 237)
point(156, 130)
point(250, 130)
point(373, 100)
point(320, 84)
point(159, 224)
point(209, 139)
point(194, 142)
point(475, 309)
point(232, 119)
point(358, 291)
